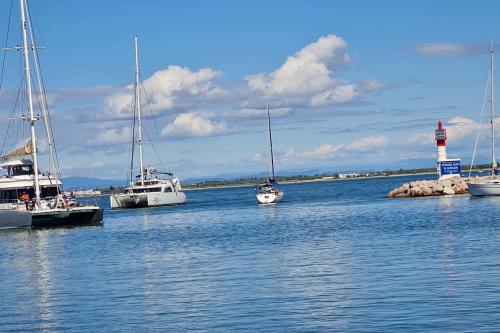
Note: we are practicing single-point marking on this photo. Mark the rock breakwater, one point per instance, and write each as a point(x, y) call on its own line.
point(423, 188)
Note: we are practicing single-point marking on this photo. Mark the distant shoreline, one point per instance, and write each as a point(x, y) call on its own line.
point(255, 181)
point(316, 180)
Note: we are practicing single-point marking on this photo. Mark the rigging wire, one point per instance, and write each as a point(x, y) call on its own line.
point(20, 134)
point(133, 139)
point(480, 122)
point(43, 96)
point(156, 127)
point(11, 117)
point(5, 45)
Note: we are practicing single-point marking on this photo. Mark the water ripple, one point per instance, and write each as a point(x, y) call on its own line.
point(334, 256)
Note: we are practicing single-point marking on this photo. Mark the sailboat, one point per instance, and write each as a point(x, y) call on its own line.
point(490, 185)
point(148, 189)
point(269, 192)
point(29, 198)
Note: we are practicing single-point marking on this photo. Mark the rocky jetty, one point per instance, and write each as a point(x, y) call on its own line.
point(423, 188)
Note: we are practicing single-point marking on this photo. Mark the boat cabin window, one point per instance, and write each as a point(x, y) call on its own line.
point(21, 170)
point(145, 190)
point(14, 194)
point(168, 189)
point(9, 195)
point(49, 192)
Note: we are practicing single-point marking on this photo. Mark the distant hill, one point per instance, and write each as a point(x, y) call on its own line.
point(91, 183)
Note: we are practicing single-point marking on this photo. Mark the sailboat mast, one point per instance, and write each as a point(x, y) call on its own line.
point(30, 100)
point(270, 140)
point(493, 157)
point(138, 107)
point(52, 158)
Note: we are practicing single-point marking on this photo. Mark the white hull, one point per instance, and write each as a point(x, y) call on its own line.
point(152, 199)
point(14, 219)
point(270, 197)
point(484, 189)
point(19, 218)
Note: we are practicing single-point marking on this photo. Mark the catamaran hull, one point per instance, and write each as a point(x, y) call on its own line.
point(73, 217)
point(154, 199)
point(14, 219)
point(482, 190)
point(268, 198)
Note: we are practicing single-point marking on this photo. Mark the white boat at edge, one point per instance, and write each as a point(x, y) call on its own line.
point(47, 206)
point(269, 192)
point(489, 186)
point(485, 188)
point(148, 190)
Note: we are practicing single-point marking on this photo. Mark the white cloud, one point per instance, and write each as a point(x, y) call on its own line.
point(345, 93)
point(308, 71)
point(324, 150)
point(459, 128)
point(459, 131)
point(192, 125)
point(449, 50)
point(175, 86)
point(112, 136)
point(306, 77)
point(251, 113)
point(257, 157)
point(420, 139)
point(370, 144)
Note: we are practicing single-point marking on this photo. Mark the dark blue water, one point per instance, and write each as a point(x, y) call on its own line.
point(334, 256)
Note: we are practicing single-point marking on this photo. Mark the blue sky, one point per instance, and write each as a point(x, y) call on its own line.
point(354, 84)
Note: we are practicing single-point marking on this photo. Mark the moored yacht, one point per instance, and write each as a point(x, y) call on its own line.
point(488, 186)
point(269, 192)
point(29, 197)
point(149, 189)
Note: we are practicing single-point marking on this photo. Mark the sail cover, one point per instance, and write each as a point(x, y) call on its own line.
point(23, 151)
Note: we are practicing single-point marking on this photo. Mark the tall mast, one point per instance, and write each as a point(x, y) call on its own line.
point(41, 92)
point(493, 158)
point(138, 107)
point(270, 140)
point(30, 99)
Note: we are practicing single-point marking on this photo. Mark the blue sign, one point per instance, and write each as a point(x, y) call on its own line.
point(450, 167)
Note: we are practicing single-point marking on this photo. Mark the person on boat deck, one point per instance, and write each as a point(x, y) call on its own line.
point(25, 198)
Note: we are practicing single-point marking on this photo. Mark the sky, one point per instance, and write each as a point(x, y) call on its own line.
point(352, 85)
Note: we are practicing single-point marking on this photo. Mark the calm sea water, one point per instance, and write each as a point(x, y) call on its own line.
point(334, 256)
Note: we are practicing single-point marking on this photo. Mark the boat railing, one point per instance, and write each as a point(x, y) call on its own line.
point(88, 200)
point(12, 204)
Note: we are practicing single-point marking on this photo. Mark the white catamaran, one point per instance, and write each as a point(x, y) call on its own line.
point(148, 189)
point(269, 192)
point(491, 185)
point(27, 196)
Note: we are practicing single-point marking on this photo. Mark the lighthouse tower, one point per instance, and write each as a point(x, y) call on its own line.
point(445, 167)
point(440, 135)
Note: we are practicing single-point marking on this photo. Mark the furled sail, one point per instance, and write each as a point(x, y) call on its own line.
point(23, 151)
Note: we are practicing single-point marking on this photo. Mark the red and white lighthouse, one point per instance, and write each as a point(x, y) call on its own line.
point(446, 167)
point(440, 135)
